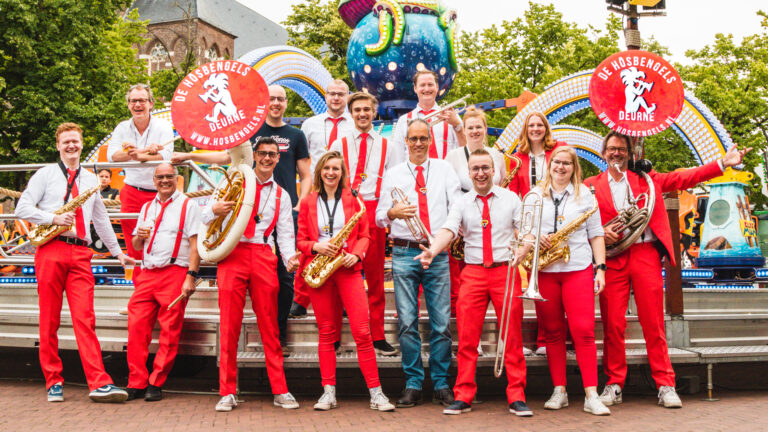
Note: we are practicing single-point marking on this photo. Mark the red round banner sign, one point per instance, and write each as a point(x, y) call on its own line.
point(636, 93)
point(220, 105)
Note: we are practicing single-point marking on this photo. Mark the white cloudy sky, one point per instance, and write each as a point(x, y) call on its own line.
point(689, 24)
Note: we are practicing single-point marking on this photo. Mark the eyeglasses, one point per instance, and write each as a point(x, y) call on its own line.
point(277, 98)
point(621, 150)
point(165, 176)
point(477, 169)
point(138, 101)
point(335, 94)
point(562, 163)
point(415, 139)
point(264, 153)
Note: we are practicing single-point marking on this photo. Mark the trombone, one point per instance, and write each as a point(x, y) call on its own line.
point(414, 223)
point(433, 121)
point(530, 220)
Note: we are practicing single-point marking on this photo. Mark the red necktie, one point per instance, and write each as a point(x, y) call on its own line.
point(334, 130)
point(250, 229)
point(157, 223)
point(361, 155)
point(79, 220)
point(433, 146)
point(421, 192)
point(486, 224)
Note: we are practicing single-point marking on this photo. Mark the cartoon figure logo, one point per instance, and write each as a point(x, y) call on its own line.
point(634, 89)
point(217, 92)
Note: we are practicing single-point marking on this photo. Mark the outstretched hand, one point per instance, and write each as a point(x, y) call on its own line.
point(735, 156)
point(425, 257)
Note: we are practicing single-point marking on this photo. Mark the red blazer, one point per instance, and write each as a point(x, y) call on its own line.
point(663, 182)
point(308, 235)
point(521, 183)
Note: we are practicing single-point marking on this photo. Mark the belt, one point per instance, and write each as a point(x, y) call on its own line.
point(141, 189)
point(72, 240)
point(407, 243)
point(494, 265)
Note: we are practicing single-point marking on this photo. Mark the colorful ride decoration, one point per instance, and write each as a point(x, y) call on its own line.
point(394, 40)
point(729, 234)
point(588, 144)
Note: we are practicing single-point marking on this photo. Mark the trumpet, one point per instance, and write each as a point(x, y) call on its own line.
point(433, 118)
point(414, 223)
point(530, 220)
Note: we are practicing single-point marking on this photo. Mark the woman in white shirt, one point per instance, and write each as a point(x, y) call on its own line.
point(570, 287)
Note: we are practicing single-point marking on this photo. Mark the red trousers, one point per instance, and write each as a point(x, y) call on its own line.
point(373, 266)
point(347, 285)
point(59, 267)
point(456, 267)
point(131, 200)
point(252, 268)
point(643, 273)
point(478, 286)
point(154, 290)
point(572, 294)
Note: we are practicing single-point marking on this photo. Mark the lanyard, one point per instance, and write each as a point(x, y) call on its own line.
point(556, 202)
point(71, 184)
point(331, 214)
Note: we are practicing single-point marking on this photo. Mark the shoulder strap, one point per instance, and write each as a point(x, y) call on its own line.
point(271, 227)
point(180, 232)
point(445, 140)
point(381, 167)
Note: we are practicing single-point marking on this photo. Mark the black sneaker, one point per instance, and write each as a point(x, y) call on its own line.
point(382, 347)
point(457, 407)
point(337, 347)
point(134, 393)
point(153, 394)
point(443, 396)
point(297, 311)
point(411, 397)
point(520, 409)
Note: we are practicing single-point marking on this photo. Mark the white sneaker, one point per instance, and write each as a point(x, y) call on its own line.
point(226, 403)
point(593, 405)
point(558, 400)
point(668, 397)
point(379, 400)
point(527, 351)
point(480, 349)
point(542, 351)
point(328, 400)
point(286, 400)
point(611, 395)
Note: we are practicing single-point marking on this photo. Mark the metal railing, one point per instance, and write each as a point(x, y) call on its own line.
point(9, 246)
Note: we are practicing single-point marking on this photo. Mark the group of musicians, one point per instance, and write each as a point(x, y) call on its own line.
point(435, 180)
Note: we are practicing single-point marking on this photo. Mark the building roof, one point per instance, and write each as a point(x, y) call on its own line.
point(251, 29)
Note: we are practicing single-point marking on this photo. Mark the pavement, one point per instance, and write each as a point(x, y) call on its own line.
point(24, 408)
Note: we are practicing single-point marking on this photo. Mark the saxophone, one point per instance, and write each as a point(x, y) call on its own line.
point(322, 267)
point(42, 234)
point(559, 241)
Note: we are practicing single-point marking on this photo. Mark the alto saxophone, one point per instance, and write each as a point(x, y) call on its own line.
point(558, 249)
point(44, 233)
point(322, 267)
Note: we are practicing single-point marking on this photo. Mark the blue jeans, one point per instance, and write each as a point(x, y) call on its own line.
point(407, 274)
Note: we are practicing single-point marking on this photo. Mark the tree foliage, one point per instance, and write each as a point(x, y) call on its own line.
point(63, 60)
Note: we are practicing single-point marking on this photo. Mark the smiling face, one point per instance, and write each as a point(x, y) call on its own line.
point(362, 113)
point(266, 156)
point(418, 140)
point(481, 173)
point(165, 180)
point(277, 103)
point(331, 173)
point(616, 152)
point(475, 131)
point(70, 146)
point(139, 104)
point(536, 130)
point(426, 90)
point(561, 168)
point(336, 99)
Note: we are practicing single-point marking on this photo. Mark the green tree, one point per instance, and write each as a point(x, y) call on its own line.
point(63, 60)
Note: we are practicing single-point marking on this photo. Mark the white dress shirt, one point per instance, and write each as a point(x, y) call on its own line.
point(45, 194)
point(323, 219)
point(372, 159)
point(318, 129)
point(158, 132)
point(460, 162)
point(467, 214)
point(619, 191)
point(284, 227)
point(442, 191)
point(401, 131)
point(540, 163)
point(569, 209)
point(165, 234)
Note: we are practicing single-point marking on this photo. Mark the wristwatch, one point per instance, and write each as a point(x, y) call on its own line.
point(602, 267)
point(193, 273)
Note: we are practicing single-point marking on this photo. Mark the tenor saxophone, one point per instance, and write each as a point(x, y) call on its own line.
point(559, 249)
point(322, 267)
point(44, 233)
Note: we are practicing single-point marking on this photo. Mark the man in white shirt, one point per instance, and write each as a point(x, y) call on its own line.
point(64, 263)
point(166, 232)
point(430, 186)
point(488, 216)
point(252, 267)
point(367, 156)
point(139, 139)
point(445, 136)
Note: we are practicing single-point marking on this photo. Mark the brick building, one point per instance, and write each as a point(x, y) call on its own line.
point(212, 29)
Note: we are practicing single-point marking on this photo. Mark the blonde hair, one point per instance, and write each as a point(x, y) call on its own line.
point(317, 180)
point(475, 112)
point(575, 177)
point(525, 145)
